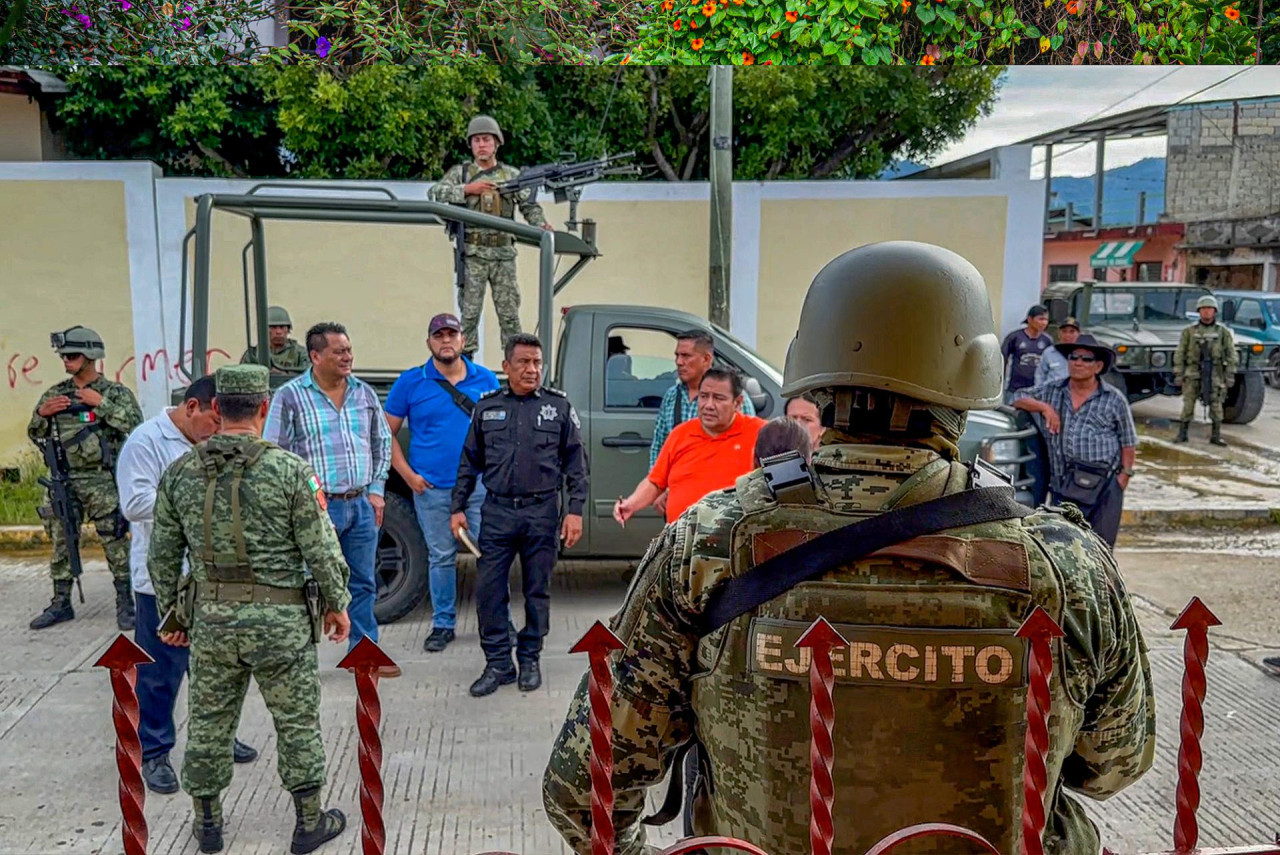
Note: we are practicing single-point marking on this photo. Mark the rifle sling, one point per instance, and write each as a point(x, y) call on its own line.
point(833, 549)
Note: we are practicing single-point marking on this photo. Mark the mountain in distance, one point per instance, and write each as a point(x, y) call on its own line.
point(1120, 189)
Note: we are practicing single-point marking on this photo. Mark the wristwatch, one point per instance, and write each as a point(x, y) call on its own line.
point(1128, 472)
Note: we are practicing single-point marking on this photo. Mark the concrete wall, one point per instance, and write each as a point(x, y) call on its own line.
point(20, 128)
point(99, 243)
point(1224, 161)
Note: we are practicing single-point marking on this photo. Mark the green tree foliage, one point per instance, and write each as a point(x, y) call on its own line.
point(386, 121)
point(963, 32)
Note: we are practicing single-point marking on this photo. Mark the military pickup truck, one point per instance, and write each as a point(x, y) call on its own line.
point(616, 391)
point(1143, 321)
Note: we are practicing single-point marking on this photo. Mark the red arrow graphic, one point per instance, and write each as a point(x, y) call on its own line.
point(821, 637)
point(1196, 620)
point(122, 659)
point(364, 660)
point(597, 644)
point(1039, 630)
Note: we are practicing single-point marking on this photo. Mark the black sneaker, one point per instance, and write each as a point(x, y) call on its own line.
point(438, 640)
point(491, 679)
point(244, 753)
point(1273, 662)
point(530, 676)
point(159, 775)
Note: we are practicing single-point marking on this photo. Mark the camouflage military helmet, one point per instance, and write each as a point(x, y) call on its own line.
point(906, 317)
point(484, 125)
point(1207, 302)
point(80, 340)
point(278, 317)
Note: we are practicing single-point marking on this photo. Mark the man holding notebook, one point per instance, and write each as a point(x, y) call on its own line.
point(437, 398)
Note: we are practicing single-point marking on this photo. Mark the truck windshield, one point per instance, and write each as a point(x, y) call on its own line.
point(1169, 305)
point(1107, 306)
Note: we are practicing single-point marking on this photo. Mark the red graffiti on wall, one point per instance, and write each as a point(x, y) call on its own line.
point(20, 368)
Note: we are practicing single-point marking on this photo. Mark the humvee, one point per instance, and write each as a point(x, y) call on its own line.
point(1142, 321)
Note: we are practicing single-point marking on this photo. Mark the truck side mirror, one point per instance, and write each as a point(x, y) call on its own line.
point(1058, 311)
point(1229, 311)
point(752, 389)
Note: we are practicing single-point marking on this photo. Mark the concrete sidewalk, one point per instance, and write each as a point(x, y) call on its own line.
point(462, 775)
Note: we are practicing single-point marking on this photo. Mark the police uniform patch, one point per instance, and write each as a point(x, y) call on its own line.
point(573, 417)
point(493, 416)
point(887, 655)
point(547, 413)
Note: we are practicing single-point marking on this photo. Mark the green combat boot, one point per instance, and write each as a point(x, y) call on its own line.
point(1216, 436)
point(124, 604)
point(206, 827)
point(59, 608)
point(315, 824)
point(1182, 432)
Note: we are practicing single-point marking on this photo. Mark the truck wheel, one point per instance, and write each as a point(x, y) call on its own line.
point(1273, 376)
point(402, 562)
point(1244, 401)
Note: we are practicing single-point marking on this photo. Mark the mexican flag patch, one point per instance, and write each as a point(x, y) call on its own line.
point(87, 417)
point(314, 483)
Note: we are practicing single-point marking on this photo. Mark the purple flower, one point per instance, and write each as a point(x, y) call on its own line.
point(85, 20)
point(184, 24)
point(125, 5)
point(322, 47)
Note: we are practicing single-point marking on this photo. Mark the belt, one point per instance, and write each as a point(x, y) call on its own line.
point(521, 501)
point(245, 592)
point(350, 494)
point(488, 240)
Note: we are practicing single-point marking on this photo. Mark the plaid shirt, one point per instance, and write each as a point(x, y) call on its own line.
point(676, 408)
point(1095, 433)
point(350, 448)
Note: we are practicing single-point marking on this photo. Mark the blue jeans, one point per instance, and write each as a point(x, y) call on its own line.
point(158, 683)
point(358, 534)
point(432, 508)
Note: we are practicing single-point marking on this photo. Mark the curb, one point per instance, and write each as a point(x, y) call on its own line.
point(18, 537)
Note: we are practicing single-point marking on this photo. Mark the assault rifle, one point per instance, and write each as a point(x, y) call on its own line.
point(61, 504)
point(566, 178)
point(1206, 374)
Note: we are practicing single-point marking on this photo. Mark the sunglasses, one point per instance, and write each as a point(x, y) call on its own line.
point(1075, 357)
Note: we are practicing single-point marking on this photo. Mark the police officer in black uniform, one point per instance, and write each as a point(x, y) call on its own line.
point(526, 443)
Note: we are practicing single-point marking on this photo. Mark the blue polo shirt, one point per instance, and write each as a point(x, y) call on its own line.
point(437, 426)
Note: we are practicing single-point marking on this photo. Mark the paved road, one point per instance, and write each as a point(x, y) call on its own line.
point(462, 775)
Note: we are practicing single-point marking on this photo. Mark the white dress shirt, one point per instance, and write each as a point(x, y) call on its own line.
point(147, 453)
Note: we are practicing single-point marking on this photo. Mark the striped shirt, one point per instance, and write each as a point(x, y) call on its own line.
point(675, 409)
point(349, 448)
point(1095, 433)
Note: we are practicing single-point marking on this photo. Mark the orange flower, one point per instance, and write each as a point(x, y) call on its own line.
point(693, 25)
point(1232, 13)
point(696, 44)
point(708, 9)
point(791, 17)
point(926, 60)
point(906, 4)
point(668, 5)
point(768, 62)
point(626, 59)
point(747, 58)
point(775, 35)
point(678, 23)
point(857, 28)
point(1073, 7)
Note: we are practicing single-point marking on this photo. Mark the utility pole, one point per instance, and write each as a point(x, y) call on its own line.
point(721, 161)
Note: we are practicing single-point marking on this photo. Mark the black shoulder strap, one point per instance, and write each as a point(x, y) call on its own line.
point(464, 403)
point(826, 552)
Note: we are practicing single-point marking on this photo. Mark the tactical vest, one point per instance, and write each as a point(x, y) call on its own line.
point(91, 444)
point(490, 202)
point(1206, 341)
point(929, 696)
point(224, 468)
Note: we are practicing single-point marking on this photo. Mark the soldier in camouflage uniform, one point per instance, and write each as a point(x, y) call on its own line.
point(930, 694)
point(248, 515)
point(491, 256)
point(94, 417)
point(287, 355)
point(1206, 337)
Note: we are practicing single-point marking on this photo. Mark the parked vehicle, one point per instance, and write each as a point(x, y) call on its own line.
point(616, 395)
point(1143, 322)
point(1255, 313)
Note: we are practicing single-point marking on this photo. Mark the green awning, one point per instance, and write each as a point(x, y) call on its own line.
point(1118, 253)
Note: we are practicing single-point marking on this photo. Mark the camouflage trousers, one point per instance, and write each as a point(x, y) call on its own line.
point(1191, 396)
point(96, 499)
point(500, 276)
point(231, 642)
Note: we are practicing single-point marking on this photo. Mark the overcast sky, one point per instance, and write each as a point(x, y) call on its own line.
point(1039, 99)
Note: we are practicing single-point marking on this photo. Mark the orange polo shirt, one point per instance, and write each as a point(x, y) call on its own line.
point(692, 463)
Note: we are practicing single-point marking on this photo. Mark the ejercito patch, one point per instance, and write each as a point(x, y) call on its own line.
point(887, 655)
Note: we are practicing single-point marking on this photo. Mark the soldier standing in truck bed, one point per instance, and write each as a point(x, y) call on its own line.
point(491, 255)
